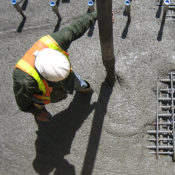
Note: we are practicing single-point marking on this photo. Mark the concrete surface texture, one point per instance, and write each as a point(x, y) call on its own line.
point(102, 134)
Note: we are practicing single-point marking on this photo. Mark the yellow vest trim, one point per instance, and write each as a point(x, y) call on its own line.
point(50, 43)
point(46, 40)
point(31, 71)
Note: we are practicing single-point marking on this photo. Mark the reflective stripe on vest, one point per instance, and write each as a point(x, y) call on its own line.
point(51, 43)
point(46, 97)
point(31, 71)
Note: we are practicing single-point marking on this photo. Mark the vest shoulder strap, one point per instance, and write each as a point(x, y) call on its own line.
point(51, 43)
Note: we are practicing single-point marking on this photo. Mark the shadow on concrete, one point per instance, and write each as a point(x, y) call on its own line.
point(158, 13)
point(65, 1)
point(57, 27)
point(125, 31)
point(58, 3)
point(91, 30)
point(54, 139)
point(124, 12)
point(21, 25)
point(24, 6)
point(96, 129)
point(160, 34)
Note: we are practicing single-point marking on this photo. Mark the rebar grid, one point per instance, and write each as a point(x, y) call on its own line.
point(164, 134)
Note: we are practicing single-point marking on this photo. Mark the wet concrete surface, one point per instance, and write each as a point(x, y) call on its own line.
point(102, 134)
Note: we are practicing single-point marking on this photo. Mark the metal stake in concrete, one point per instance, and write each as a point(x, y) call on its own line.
point(55, 8)
point(128, 8)
point(91, 6)
point(166, 6)
point(17, 7)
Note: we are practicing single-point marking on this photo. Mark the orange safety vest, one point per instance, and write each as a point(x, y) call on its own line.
point(27, 64)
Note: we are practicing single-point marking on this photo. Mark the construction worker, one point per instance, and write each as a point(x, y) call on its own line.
point(44, 75)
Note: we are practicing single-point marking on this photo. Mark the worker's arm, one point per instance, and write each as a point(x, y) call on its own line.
point(24, 88)
point(66, 35)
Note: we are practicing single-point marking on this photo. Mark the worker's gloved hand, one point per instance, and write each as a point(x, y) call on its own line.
point(44, 116)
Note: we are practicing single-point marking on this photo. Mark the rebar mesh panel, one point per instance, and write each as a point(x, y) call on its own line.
point(164, 133)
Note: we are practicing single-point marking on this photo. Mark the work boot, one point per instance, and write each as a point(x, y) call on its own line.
point(86, 90)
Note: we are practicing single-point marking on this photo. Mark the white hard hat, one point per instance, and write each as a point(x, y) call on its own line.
point(52, 64)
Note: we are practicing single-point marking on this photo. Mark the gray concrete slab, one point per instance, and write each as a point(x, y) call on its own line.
point(105, 134)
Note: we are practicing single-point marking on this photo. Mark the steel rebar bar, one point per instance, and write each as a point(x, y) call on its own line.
point(165, 115)
point(157, 126)
point(128, 6)
point(159, 132)
point(163, 153)
point(172, 109)
point(164, 123)
point(166, 6)
point(90, 6)
point(17, 7)
point(55, 8)
point(164, 139)
point(165, 99)
point(160, 147)
point(128, 9)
